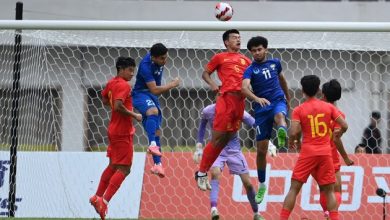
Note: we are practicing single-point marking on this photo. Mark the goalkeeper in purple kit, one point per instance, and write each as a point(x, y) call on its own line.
point(231, 156)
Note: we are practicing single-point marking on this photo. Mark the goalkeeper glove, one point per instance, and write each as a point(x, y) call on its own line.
point(198, 153)
point(272, 149)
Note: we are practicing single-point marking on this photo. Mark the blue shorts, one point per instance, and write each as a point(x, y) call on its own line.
point(264, 118)
point(143, 101)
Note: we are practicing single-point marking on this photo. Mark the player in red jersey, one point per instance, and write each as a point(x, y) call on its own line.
point(332, 92)
point(229, 110)
point(312, 119)
point(120, 134)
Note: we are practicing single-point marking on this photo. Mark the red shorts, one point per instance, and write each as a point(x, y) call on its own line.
point(320, 167)
point(229, 111)
point(120, 150)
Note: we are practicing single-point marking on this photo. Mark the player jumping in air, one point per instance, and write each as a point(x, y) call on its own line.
point(147, 88)
point(229, 108)
point(270, 102)
point(313, 119)
point(120, 135)
point(231, 156)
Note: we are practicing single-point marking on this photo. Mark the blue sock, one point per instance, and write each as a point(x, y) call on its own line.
point(151, 127)
point(261, 175)
point(157, 159)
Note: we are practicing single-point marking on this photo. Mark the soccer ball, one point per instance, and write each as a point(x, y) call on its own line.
point(223, 11)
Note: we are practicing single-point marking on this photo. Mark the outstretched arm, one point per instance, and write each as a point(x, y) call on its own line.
point(157, 90)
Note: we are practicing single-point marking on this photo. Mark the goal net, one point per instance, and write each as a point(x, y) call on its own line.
point(62, 122)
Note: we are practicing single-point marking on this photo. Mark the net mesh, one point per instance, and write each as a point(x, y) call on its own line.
point(63, 73)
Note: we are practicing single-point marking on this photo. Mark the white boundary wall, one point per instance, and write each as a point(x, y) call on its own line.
point(59, 185)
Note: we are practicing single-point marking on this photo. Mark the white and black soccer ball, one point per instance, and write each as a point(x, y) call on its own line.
point(223, 11)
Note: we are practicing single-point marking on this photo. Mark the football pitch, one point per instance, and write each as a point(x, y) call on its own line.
point(64, 218)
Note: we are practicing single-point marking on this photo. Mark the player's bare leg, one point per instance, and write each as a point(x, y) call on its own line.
point(210, 153)
point(261, 162)
point(250, 192)
point(289, 201)
point(280, 121)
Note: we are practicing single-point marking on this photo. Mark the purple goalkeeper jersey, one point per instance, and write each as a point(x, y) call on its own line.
point(207, 118)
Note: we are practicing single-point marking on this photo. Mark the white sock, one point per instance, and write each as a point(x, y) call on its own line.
point(201, 174)
point(262, 185)
point(153, 143)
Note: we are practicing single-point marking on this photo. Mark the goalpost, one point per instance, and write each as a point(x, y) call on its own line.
point(65, 65)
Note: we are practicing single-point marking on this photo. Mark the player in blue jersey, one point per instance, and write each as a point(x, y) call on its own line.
point(270, 97)
point(145, 99)
point(231, 156)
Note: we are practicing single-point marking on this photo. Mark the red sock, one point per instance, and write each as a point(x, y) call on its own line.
point(115, 182)
point(334, 215)
point(104, 180)
point(284, 214)
point(338, 198)
point(323, 201)
point(210, 154)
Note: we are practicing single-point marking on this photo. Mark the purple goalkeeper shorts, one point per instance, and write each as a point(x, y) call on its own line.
point(236, 163)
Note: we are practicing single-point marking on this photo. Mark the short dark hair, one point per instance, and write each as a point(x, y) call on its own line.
point(310, 85)
point(257, 41)
point(124, 62)
point(158, 49)
point(376, 115)
point(226, 34)
point(332, 90)
point(359, 145)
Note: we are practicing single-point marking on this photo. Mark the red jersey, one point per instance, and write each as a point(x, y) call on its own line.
point(230, 67)
point(334, 125)
point(315, 117)
point(119, 89)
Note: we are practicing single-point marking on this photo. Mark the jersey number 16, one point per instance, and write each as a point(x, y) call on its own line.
point(318, 127)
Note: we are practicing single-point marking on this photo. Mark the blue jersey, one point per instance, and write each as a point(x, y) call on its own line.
point(147, 72)
point(264, 79)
